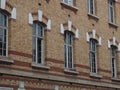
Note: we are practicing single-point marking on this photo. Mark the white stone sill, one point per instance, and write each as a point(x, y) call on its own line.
point(70, 6)
point(93, 16)
point(71, 71)
point(6, 60)
point(95, 75)
point(40, 66)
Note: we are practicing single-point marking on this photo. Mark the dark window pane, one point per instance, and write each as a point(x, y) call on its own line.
point(91, 6)
point(34, 43)
point(70, 57)
point(39, 43)
point(5, 20)
point(111, 13)
point(1, 45)
point(0, 38)
point(1, 31)
point(39, 57)
point(1, 19)
point(5, 33)
point(4, 52)
point(34, 29)
point(0, 51)
point(4, 47)
point(39, 60)
point(65, 52)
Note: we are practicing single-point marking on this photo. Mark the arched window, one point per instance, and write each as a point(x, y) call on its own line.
point(38, 42)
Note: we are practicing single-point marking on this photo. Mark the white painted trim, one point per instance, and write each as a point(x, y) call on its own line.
point(69, 25)
point(114, 39)
point(21, 84)
point(119, 47)
point(30, 18)
point(3, 4)
point(56, 87)
point(109, 44)
point(49, 24)
point(94, 33)
point(13, 13)
point(61, 29)
point(87, 37)
point(40, 13)
point(76, 34)
point(100, 41)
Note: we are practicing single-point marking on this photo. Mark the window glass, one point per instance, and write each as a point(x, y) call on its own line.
point(68, 49)
point(3, 33)
point(93, 55)
point(38, 42)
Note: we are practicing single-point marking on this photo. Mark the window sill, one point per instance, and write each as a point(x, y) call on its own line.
point(5, 88)
point(94, 75)
point(5, 60)
point(40, 66)
point(71, 71)
point(69, 6)
point(93, 16)
point(116, 79)
point(113, 24)
point(21, 89)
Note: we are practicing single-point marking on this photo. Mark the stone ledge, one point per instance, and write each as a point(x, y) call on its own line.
point(40, 66)
point(21, 89)
point(71, 71)
point(5, 60)
point(116, 79)
point(113, 25)
point(95, 75)
point(93, 16)
point(31, 74)
point(5, 88)
point(69, 6)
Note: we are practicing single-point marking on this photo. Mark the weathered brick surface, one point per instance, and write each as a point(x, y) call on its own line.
point(20, 38)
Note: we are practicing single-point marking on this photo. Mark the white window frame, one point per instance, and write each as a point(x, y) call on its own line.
point(89, 7)
point(67, 46)
point(113, 61)
point(5, 29)
point(111, 14)
point(36, 37)
point(93, 68)
point(69, 2)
